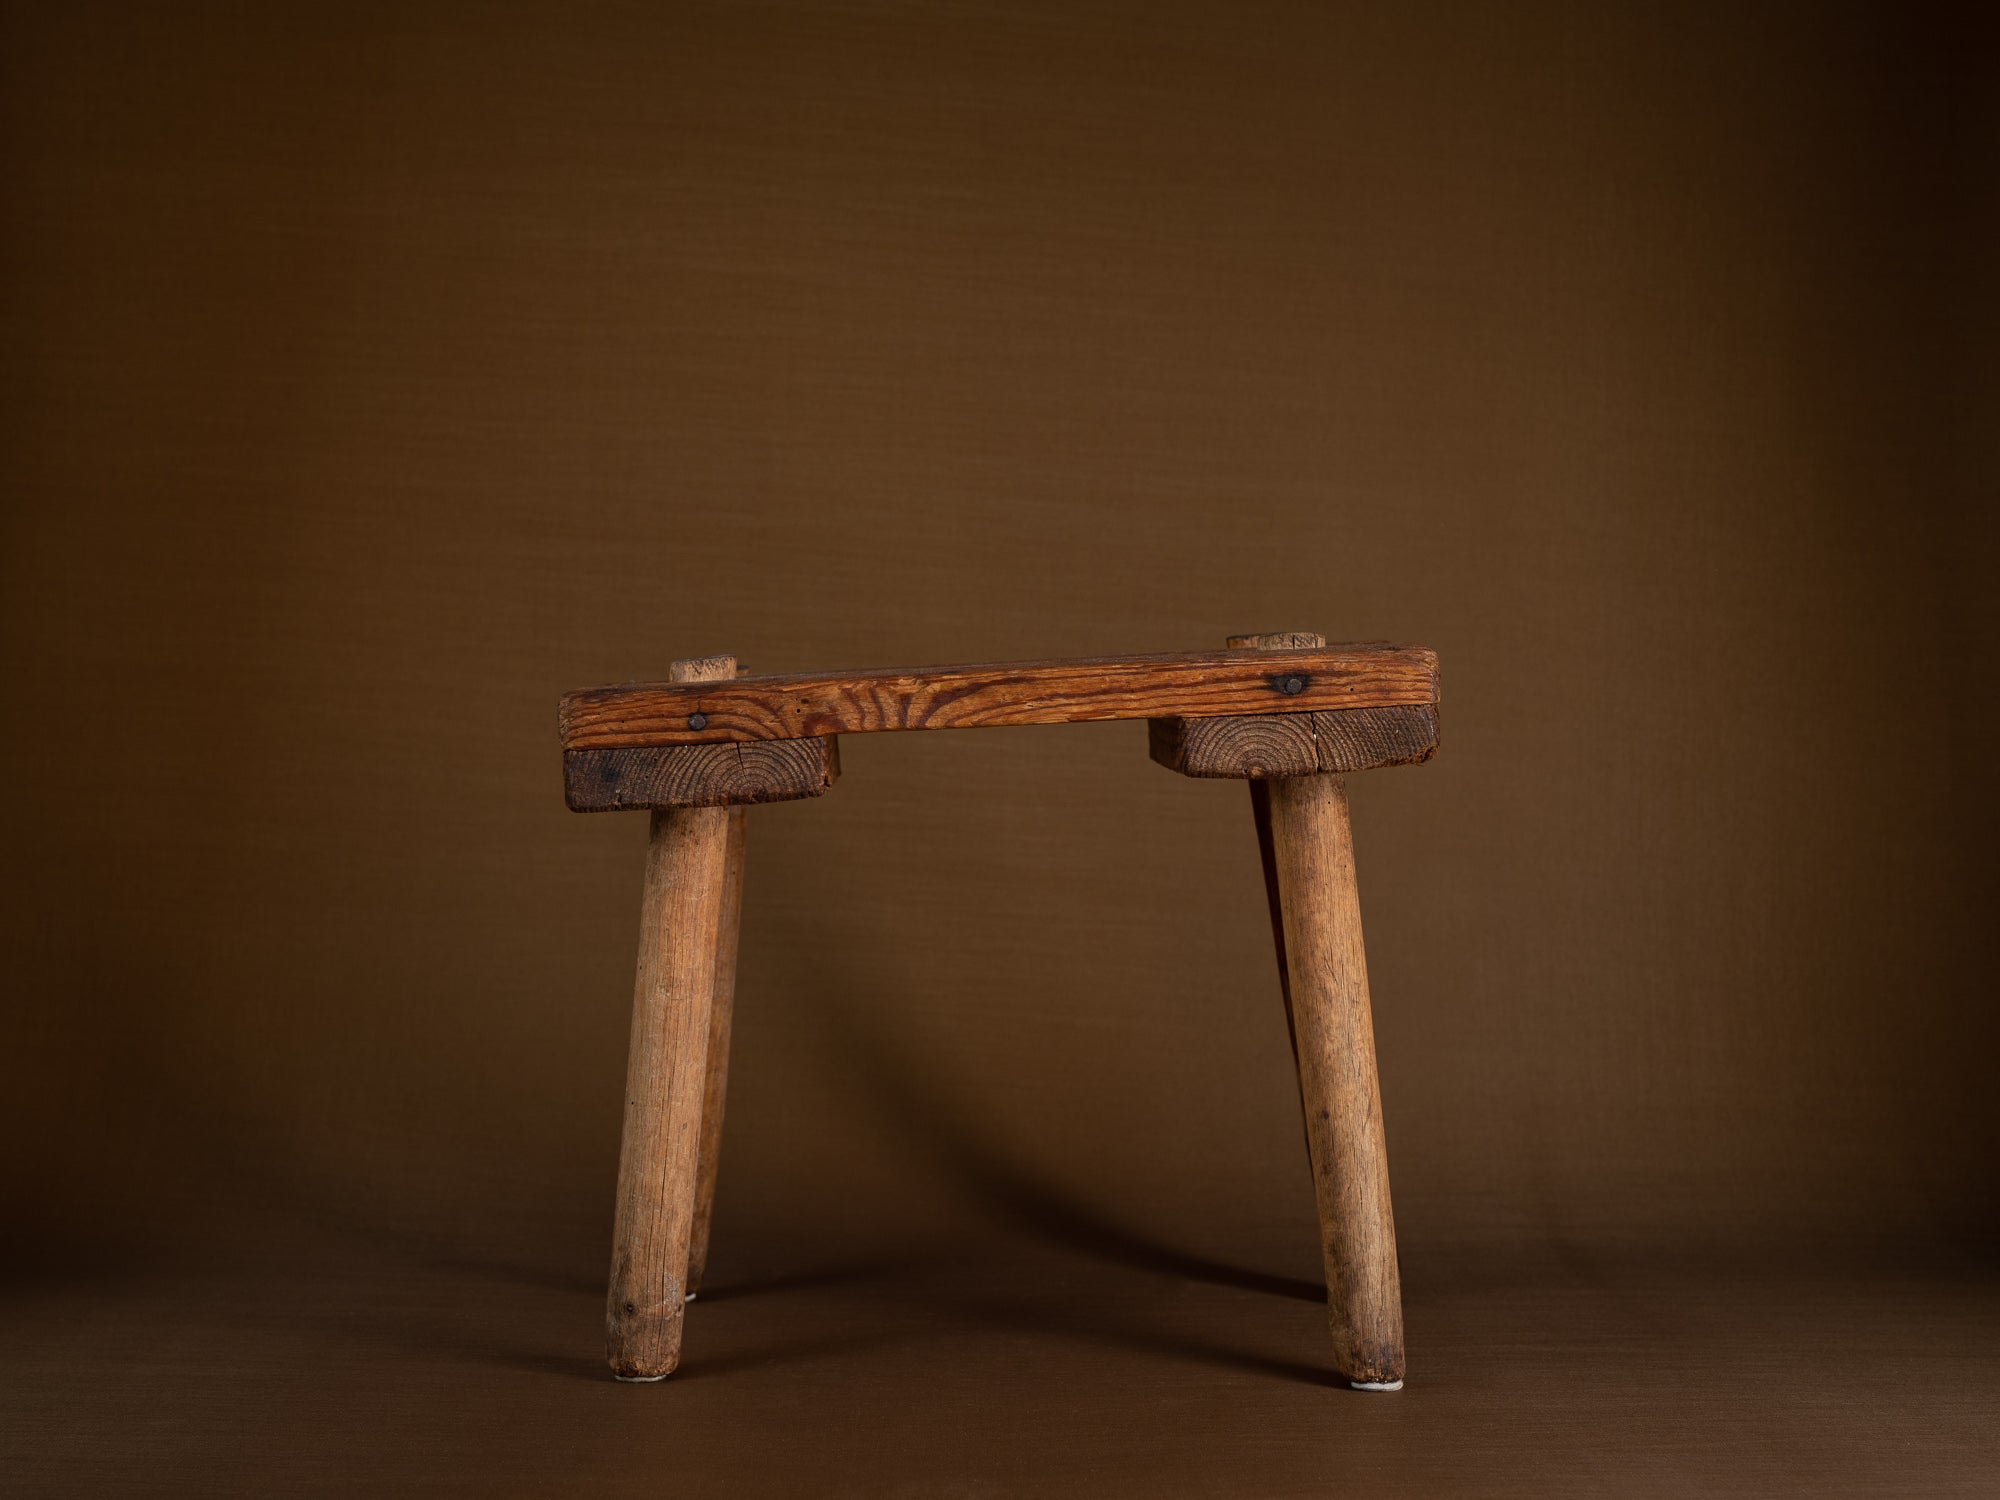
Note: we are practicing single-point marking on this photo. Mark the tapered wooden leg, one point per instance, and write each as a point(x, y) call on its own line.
point(715, 1091)
point(1312, 852)
point(681, 915)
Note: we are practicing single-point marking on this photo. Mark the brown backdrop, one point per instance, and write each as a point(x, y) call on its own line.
point(373, 376)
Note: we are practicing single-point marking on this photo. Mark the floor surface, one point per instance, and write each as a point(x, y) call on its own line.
point(1018, 1369)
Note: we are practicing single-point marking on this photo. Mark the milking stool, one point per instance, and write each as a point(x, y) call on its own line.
point(1286, 712)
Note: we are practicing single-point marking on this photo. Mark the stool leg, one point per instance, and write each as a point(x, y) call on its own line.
point(716, 1090)
point(1334, 1037)
point(686, 865)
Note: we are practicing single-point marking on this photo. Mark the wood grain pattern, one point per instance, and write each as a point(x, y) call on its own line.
point(721, 1020)
point(1371, 738)
point(984, 696)
point(1334, 1034)
point(665, 1084)
point(1260, 745)
point(729, 775)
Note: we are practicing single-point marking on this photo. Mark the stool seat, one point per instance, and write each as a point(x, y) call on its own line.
point(1284, 712)
point(1262, 713)
point(1186, 684)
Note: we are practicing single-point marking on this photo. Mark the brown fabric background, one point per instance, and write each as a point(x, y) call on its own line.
point(373, 375)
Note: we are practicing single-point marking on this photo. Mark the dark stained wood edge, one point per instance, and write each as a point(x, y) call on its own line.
point(733, 775)
point(987, 696)
point(1273, 745)
point(1371, 738)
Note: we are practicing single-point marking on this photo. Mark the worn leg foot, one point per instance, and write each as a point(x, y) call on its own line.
point(681, 914)
point(716, 1091)
point(1334, 1036)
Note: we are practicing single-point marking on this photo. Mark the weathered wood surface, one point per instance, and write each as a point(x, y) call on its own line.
point(737, 774)
point(1276, 640)
point(665, 1080)
point(1260, 745)
point(985, 696)
point(1306, 848)
point(721, 1019)
point(1334, 1033)
point(1295, 744)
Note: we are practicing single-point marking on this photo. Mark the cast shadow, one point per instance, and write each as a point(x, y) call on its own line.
point(918, 1110)
point(1128, 1336)
point(571, 1367)
point(899, 1087)
point(697, 1367)
point(509, 1270)
point(793, 1281)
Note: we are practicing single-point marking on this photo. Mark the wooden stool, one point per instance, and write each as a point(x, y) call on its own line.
point(1286, 712)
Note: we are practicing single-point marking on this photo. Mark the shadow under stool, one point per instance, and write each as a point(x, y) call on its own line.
point(1285, 712)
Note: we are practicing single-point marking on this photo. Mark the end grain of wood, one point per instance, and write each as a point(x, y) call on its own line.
point(1272, 745)
point(736, 774)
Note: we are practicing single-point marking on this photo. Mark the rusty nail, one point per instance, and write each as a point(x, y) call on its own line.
point(697, 721)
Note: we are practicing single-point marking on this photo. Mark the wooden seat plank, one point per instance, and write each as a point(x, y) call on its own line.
point(1178, 685)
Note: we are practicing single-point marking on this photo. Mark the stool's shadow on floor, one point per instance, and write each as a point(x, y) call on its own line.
point(793, 1281)
point(592, 1368)
point(899, 1087)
